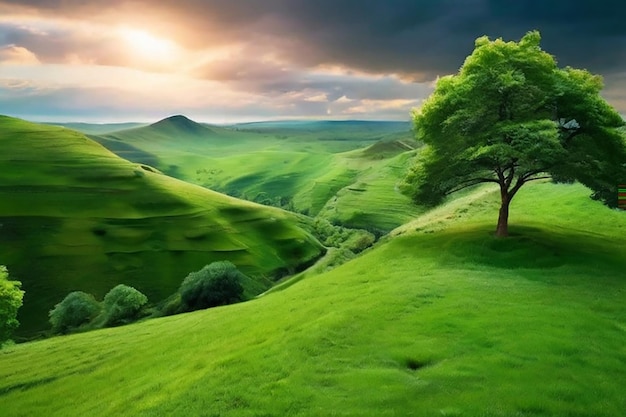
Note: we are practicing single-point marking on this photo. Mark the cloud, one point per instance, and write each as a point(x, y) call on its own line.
point(418, 38)
point(17, 55)
point(325, 55)
point(91, 93)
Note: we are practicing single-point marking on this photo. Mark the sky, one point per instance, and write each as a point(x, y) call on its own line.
point(224, 61)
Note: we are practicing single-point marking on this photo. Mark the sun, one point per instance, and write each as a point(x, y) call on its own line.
point(145, 45)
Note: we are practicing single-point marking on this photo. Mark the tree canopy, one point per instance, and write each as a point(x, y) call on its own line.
point(10, 301)
point(511, 116)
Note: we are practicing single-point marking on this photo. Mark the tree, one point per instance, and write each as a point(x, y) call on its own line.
point(77, 309)
point(10, 301)
point(511, 116)
point(122, 304)
point(216, 284)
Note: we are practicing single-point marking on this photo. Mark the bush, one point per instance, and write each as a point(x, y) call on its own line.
point(76, 309)
point(10, 301)
point(216, 284)
point(122, 305)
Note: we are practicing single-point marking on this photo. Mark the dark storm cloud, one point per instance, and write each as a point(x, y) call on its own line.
point(419, 37)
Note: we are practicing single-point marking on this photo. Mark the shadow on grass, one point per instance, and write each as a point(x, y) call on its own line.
point(536, 247)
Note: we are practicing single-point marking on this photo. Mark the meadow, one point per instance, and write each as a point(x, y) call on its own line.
point(439, 318)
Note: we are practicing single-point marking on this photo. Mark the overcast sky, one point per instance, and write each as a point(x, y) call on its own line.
point(240, 60)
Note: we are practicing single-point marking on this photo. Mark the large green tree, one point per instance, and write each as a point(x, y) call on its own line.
point(511, 116)
point(10, 301)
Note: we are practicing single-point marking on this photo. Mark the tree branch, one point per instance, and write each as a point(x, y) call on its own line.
point(526, 176)
point(499, 172)
point(518, 184)
point(470, 183)
point(510, 176)
point(547, 177)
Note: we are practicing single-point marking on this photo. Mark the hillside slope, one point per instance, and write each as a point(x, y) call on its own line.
point(74, 216)
point(445, 320)
point(346, 172)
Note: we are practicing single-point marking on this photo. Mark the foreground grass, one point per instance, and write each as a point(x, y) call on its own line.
point(446, 321)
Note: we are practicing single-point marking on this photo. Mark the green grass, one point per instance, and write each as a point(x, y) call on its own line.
point(373, 199)
point(346, 172)
point(74, 216)
point(440, 319)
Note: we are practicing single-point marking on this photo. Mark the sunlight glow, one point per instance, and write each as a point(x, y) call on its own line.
point(147, 46)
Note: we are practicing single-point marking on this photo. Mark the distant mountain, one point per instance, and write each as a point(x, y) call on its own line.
point(180, 126)
point(175, 131)
point(74, 216)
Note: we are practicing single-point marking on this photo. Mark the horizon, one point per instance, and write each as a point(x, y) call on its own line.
point(245, 61)
point(278, 119)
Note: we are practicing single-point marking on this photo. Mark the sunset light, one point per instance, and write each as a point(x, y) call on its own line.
point(308, 60)
point(147, 46)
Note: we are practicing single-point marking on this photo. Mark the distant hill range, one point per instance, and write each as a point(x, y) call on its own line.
point(346, 171)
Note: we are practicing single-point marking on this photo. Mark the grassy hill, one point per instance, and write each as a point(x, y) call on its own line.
point(439, 319)
point(345, 171)
point(74, 216)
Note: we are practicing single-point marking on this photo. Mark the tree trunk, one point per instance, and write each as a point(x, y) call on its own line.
point(503, 218)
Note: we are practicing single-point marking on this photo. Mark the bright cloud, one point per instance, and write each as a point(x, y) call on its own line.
point(12, 55)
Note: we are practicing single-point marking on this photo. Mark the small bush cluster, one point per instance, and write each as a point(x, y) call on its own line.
point(354, 240)
point(218, 283)
point(77, 309)
point(81, 311)
point(214, 285)
point(122, 305)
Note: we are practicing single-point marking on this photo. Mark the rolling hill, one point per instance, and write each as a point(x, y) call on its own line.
point(345, 171)
point(440, 318)
point(74, 216)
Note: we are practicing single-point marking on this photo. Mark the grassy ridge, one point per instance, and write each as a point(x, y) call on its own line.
point(444, 320)
point(76, 217)
point(346, 172)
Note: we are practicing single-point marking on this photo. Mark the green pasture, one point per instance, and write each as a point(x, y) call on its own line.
point(440, 319)
point(74, 216)
point(347, 172)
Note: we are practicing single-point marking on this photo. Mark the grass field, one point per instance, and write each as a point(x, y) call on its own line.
point(440, 319)
point(74, 216)
point(346, 172)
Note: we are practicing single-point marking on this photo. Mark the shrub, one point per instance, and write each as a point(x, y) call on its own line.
point(122, 305)
point(76, 309)
point(216, 284)
point(10, 301)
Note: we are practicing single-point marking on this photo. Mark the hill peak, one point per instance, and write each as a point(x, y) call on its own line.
point(180, 124)
point(177, 119)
